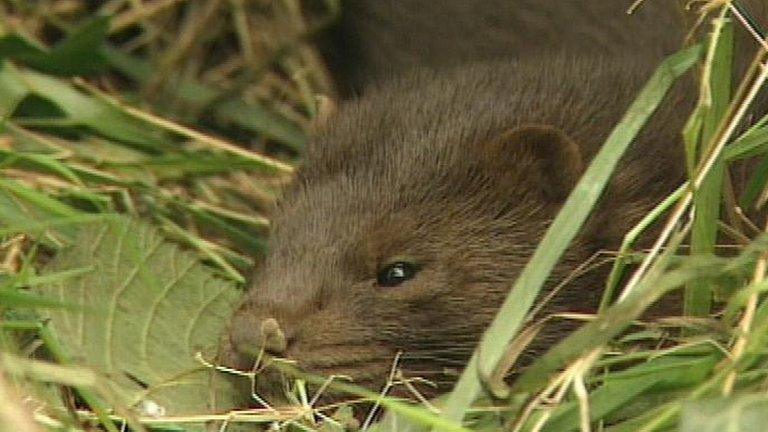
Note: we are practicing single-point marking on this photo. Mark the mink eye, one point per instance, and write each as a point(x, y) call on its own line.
point(396, 273)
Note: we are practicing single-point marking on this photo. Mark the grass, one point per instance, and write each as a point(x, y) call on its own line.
point(190, 116)
point(560, 234)
point(81, 149)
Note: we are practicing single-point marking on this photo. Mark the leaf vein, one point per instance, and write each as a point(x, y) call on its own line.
point(162, 295)
point(121, 288)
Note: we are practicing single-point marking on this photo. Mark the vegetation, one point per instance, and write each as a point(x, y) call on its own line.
point(141, 142)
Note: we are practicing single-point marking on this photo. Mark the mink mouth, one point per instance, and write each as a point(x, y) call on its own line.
point(342, 354)
point(271, 384)
point(358, 363)
point(373, 370)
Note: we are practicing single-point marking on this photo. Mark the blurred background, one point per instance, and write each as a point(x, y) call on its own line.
point(189, 113)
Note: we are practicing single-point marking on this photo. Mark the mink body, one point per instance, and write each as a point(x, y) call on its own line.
point(380, 39)
point(471, 130)
point(459, 173)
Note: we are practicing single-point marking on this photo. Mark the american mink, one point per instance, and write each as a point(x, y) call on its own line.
point(379, 38)
point(419, 202)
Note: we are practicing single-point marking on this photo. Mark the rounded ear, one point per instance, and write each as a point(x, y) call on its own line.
point(536, 158)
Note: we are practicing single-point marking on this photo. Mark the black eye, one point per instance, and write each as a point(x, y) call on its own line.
point(396, 273)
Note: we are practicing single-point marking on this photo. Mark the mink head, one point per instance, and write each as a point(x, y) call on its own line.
point(416, 208)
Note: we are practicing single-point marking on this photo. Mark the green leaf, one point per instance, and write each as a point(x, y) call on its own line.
point(96, 114)
point(152, 308)
point(669, 371)
point(24, 209)
point(78, 54)
point(559, 235)
point(744, 413)
point(37, 199)
point(38, 162)
point(12, 89)
point(602, 402)
point(258, 118)
point(17, 46)
point(187, 90)
point(752, 143)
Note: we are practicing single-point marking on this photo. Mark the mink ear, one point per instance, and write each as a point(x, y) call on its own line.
point(539, 157)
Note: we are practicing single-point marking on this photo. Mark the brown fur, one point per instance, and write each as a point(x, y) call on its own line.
point(458, 170)
point(379, 38)
point(406, 174)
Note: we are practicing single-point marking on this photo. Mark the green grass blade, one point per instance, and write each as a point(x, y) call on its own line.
point(12, 89)
point(623, 258)
point(78, 54)
point(564, 228)
point(13, 298)
point(227, 109)
point(747, 412)
point(204, 248)
point(755, 185)
point(706, 200)
point(98, 115)
point(621, 388)
point(38, 162)
point(413, 413)
point(617, 318)
point(752, 143)
point(38, 200)
point(192, 164)
point(256, 117)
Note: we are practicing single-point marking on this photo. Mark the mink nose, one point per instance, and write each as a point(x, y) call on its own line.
point(250, 335)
